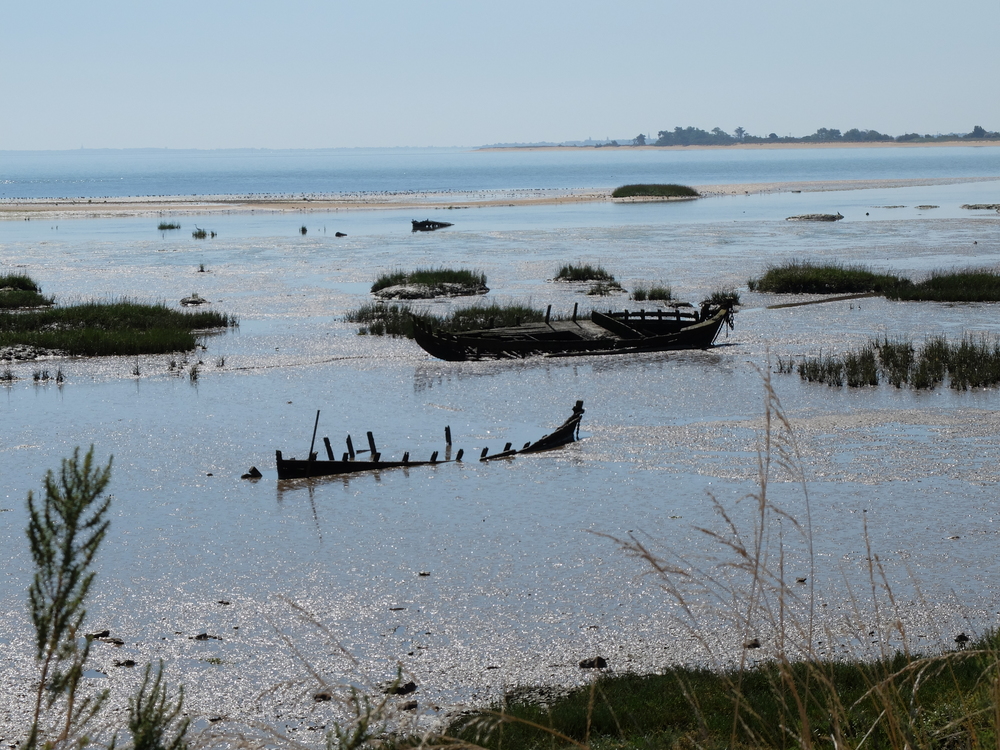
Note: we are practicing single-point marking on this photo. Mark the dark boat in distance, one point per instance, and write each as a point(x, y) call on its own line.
point(611, 333)
point(429, 226)
point(292, 468)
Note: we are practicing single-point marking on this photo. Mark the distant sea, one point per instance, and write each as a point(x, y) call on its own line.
point(99, 173)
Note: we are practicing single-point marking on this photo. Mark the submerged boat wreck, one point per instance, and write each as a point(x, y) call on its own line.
point(429, 226)
point(352, 461)
point(604, 333)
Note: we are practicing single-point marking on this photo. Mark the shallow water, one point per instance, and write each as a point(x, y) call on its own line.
point(519, 588)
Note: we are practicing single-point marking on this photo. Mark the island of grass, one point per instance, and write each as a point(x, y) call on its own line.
point(652, 292)
point(803, 277)
point(905, 700)
point(428, 283)
point(582, 272)
point(18, 291)
point(662, 192)
point(95, 329)
point(397, 320)
point(165, 226)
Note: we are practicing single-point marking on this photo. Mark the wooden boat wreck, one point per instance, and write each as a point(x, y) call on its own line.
point(604, 333)
point(429, 226)
point(567, 432)
point(351, 461)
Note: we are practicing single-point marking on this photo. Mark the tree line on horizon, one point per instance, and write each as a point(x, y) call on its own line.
point(691, 136)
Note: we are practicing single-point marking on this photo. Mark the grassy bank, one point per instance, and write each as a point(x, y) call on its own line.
point(946, 701)
point(655, 191)
point(397, 320)
point(804, 277)
point(18, 291)
point(113, 328)
point(430, 277)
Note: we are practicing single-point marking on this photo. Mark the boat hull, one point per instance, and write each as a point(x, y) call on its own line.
point(604, 334)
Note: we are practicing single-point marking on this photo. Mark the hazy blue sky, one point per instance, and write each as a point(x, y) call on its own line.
point(293, 74)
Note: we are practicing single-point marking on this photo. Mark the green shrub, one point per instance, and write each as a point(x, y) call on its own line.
point(655, 191)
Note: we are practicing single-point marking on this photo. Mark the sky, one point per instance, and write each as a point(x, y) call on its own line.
point(326, 74)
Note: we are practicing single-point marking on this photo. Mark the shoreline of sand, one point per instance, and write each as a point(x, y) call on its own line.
point(750, 146)
point(54, 208)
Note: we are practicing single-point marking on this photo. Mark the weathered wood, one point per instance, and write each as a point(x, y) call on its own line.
point(371, 443)
point(329, 448)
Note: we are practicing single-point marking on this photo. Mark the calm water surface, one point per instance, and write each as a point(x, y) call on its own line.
point(520, 589)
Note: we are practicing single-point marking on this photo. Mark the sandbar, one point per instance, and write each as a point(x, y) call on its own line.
point(168, 206)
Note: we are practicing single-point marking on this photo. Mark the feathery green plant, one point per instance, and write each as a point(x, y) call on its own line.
point(154, 719)
point(65, 531)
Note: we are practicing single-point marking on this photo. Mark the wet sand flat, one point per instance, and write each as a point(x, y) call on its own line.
point(21, 209)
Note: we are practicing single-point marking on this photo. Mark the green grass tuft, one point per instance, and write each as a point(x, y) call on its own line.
point(583, 272)
point(655, 191)
point(970, 285)
point(18, 291)
point(104, 329)
point(973, 362)
point(168, 225)
point(430, 277)
point(643, 293)
point(805, 277)
point(380, 319)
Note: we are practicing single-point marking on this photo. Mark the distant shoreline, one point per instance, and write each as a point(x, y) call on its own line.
point(12, 209)
point(753, 146)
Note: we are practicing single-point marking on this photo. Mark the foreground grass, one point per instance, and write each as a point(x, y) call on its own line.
point(20, 291)
point(104, 329)
point(397, 320)
point(901, 701)
point(430, 277)
point(655, 191)
point(803, 277)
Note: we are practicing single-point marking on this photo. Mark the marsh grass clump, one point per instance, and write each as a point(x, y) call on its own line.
point(805, 277)
point(828, 369)
point(861, 367)
point(605, 288)
point(970, 285)
point(430, 277)
point(166, 226)
point(199, 233)
point(18, 291)
point(655, 191)
point(380, 319)
point(109, 328)
point(727, 297)
point(973, 362)
point(583, 272)
point(652, 292)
